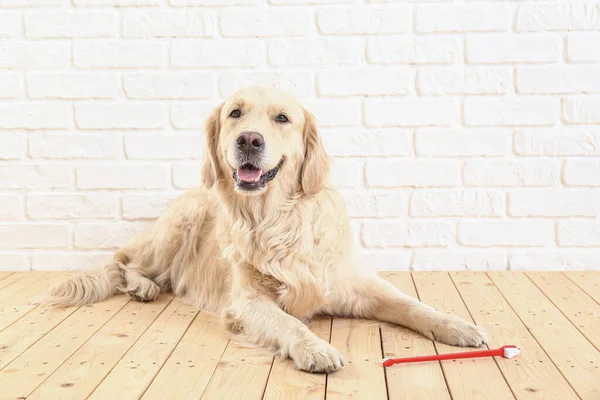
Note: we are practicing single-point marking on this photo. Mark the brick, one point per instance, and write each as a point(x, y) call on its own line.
point(582, 172)
point(13, 262)
point(73, 85)
point(19, 176)
point(497, 48)
point(296, 2)
point(567, 141)
point(384, 259)
point(456, 203)
point(118, 3)
point(129, 115)
point(411, 173)
point(462, 143)
point(157, 24)
point(106, 235)
point(11, 85)
point(297, 83)
point(122, 176)
point(145, 205)
point(315, 51)
point(34, 236)
point(542, 172)
point(580, 259)
point(238, 53)
point(347, 173)
point(184, 3)
point(28, 3)
point(10, 24)
point(249, 22)
point(459, 260)
point(71, 206)
point(23, 55)
point(411, 112)
point(527, 111)
point(12, 146)
point(558, 79)
point(70, 261)
point(186, 176)
point(190, 115)
point(70, 24)
point(582, 110)
point(382, 234)
point(583, 47)
point(335, 112)
point(369, 20)
point(78, 146)
point(464, 80)
point(373, 81)
point(119, 54)
point(376, 205)
point(366, 143)
point(164, 147)
point(169, 85)
point(11, 207)
point(514, 233)
point(414, 50)
point(45, 115)
point(462, 18)
point(536, 17)
point(554, 203)
point(582, 233)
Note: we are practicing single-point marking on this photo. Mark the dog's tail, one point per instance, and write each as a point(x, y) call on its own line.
point(89, 287)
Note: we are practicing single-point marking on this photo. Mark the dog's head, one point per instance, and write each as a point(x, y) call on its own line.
point(262, 137)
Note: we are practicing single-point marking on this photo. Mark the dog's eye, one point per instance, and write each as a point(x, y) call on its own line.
point(282, 118)
point(235, 114)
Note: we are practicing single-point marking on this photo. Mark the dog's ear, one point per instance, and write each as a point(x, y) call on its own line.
point(211, 170)
point(315, 168)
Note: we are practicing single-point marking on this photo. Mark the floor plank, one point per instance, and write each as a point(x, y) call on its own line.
point(588, 281)
point(135, 371)
point(287, 382)
point(570, 351)
point(18, 282)
point(242, 373)
point(11, 278)
point(363, 376)
point(17, 305)
point(574, 303)
point(188, 370)
point(32, 367)
point(26, 331)
point(410, 381)
point(4, 275)
point(468, 378)
point(87, 367)
point(531, 375)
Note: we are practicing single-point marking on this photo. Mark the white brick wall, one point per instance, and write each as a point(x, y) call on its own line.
point(465, 134)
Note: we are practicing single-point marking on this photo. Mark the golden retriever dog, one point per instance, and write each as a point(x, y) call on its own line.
point(265, 243)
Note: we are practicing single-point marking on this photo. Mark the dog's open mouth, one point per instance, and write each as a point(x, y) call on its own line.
point(249, 177)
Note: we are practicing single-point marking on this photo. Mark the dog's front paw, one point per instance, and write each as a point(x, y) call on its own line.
point(316, 356)
point(458, 332)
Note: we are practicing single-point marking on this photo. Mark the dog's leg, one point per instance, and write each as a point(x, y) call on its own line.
point(139, 287)
point(375, 298)
point(257, 320)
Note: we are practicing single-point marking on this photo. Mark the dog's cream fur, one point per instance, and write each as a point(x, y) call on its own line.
point(264, 260)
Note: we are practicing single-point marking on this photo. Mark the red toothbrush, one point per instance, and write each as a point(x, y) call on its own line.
point(508, 351)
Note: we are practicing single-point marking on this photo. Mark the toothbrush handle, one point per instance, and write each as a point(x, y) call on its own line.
point(451, 356)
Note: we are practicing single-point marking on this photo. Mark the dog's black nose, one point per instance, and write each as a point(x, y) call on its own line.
point(250, 141)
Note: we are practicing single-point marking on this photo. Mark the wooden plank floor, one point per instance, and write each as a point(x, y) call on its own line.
point(121, 349)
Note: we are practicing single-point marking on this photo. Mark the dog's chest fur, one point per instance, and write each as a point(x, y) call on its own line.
point(274, 254)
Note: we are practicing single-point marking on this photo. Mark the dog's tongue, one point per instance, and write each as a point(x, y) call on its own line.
point(249, 174)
